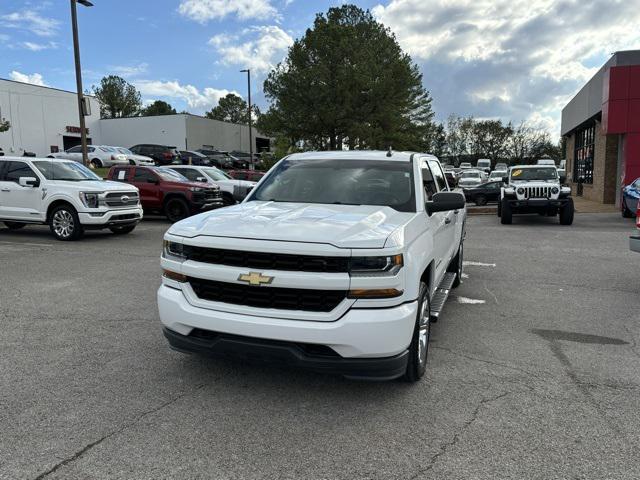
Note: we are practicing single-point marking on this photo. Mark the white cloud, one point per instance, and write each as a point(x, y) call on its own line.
point(202, 11)
point(34, 79)
point(257, 48)
point(31, 21)
point(193, 97)
point(128, 71)
point(514, 59)
point(37, 47)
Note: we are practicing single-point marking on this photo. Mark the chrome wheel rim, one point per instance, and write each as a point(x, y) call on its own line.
point(63, 223)
point(423, 334)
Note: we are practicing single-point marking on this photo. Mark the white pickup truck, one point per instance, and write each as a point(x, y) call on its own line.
point(66, 195)
point(337, 262)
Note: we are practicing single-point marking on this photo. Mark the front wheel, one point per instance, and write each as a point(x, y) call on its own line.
point(227, 199)
point(122, 230)
point(419, 347)
point(15, 225)
point(96, 163)
point(131, 162)
point(176, 209)
point(64, 223)
point(566, 213)
point(626, 213)
point(505, 212)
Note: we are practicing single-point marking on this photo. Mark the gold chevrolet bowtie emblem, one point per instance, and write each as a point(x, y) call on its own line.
point(255, 278)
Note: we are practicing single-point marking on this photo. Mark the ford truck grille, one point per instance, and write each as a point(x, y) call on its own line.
point(121, 199)
point(267, 297)
point(268, 261)
point(537, 192)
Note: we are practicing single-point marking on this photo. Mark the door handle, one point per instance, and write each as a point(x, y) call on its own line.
point(447, 221)
point(5, 190)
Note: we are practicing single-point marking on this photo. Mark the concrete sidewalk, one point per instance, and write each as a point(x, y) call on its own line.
point(582, 205)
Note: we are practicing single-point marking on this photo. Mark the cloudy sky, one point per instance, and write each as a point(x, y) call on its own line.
point(510, 59)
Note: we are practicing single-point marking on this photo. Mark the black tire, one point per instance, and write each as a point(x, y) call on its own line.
point(481, 200)
point(65, 224)
point(96, 163)
point(506, 214)
point(176, 209)
point(15, 225)
point(227, 199)
point(566, 213)
point(419, 347)
point(626, 213)
point(131, 162)
point(122, 230)
point(456, 264)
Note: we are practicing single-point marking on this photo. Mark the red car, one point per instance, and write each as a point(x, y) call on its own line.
point(166, 191)
point(251, 175)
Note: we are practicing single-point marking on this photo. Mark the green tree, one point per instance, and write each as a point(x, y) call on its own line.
point(491, 139)
point(232, 108)
point(117, 97)
point(158, 107)
point(348, 82)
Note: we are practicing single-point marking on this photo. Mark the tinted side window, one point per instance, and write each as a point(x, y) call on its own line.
point(142, 175)
point(77, 149)
point(15, 170)
point(428, 183)
point(438, 176)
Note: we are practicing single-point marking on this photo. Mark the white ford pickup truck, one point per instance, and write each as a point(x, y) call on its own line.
point(337, 262)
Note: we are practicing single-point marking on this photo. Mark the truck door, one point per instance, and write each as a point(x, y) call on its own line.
point(18, 202)
point(148, 184)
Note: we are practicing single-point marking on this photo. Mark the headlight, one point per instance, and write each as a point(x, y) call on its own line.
point(175, 251)
point(90, 199)
point(375, 266)
point(520, 191)
point(196, 189)
point(555, 190)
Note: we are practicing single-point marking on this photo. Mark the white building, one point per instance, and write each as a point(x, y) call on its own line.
point(44, 120)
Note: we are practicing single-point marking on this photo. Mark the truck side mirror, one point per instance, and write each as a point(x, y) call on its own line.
point(28, 182)
point(444, 202)
point(201, 179)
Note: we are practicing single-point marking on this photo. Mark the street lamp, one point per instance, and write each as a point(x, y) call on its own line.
point(82, 109)
point(248, 72)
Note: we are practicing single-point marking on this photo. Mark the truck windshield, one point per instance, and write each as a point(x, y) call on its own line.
point(215, 174)
point(342, 182)
point(170, 175)
point(542, 173)
point(68, 171)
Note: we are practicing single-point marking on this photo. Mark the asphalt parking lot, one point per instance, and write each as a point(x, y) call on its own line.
point(534, 371)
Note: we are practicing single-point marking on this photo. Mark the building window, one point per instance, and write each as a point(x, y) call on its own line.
point(584, 151)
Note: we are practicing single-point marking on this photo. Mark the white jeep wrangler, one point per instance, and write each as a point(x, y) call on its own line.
point(535, 189)
point(66, 195)
point(337, 262)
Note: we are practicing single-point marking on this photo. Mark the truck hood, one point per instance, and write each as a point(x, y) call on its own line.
point(343, 226)
point(96, 186)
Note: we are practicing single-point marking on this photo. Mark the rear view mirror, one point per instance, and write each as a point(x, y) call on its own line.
point(201, 179)
point(444, 202)
point(152, 180)
point(28, 181)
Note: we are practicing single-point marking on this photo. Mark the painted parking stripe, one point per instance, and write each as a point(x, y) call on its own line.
point(470, 301)
point(477, 264)
point(22, 244)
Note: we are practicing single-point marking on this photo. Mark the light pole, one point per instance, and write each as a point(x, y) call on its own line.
point(76, 54)
point(248, 71)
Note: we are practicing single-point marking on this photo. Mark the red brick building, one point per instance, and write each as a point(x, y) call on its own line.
point(601, 127)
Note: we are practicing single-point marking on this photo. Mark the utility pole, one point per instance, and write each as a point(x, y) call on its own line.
point(248, 71)
point(76, 54)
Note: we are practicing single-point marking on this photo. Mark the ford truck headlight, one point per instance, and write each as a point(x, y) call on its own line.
point(90, 199)
point(375, 266)
point(175, 251)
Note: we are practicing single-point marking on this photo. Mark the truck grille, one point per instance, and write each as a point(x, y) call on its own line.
point(268, 261)
point(537, 192)
point(122, 199)
point(267, 297)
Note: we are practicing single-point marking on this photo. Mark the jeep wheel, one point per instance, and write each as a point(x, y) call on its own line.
point(419, 346)
point(626, 213)
point(122, 230)
point(65, 224)
point(456, 266)
point(505, 212)
point(15, 225)
point(227, 199)
point(176, 209)
point(481, 200)
point(566, 213)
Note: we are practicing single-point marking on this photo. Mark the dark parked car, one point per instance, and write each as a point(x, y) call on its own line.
point(190, 157)
point(166, 191)
point(161, 154)
point(483, 194)
point(251, 175)
point(220, 159)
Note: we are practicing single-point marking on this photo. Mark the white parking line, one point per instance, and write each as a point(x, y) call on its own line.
point(478, 264)
point(470, 301)
point(21, 244)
